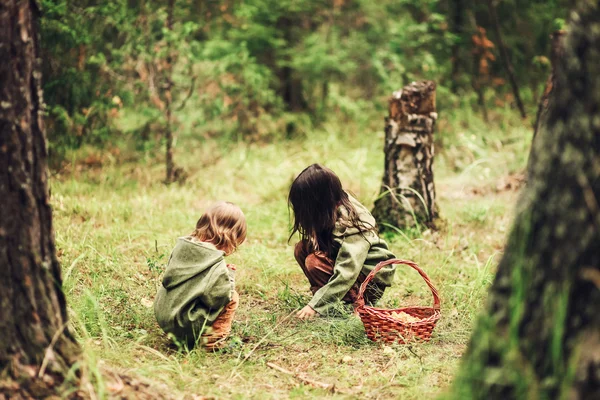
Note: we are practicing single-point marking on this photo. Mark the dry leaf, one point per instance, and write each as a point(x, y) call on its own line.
point(147, 302)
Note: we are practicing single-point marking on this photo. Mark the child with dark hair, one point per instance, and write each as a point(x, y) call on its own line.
point(339, 243)
point(197, 299)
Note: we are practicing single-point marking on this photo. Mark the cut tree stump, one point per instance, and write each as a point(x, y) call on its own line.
point(407, 195)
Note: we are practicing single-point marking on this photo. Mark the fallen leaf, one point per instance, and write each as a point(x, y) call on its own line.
point(147, 302)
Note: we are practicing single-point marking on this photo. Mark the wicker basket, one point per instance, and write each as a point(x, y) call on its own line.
point(380, 325)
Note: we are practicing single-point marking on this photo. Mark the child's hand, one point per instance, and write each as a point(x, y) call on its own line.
point(231, 266)
point(306, 313)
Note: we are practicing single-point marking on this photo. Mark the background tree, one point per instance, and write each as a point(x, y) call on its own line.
point(36, 350)
point(268, 69)
point(540, 337)
point(505, 57)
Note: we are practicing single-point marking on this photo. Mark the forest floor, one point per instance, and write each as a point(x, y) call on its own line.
point(116, 222)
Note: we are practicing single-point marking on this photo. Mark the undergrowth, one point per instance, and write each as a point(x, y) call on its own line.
point(116, 223)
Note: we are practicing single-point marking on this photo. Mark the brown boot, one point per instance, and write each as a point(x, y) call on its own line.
point(216, 336)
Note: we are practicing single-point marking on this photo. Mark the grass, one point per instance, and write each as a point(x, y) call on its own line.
point(115, 226)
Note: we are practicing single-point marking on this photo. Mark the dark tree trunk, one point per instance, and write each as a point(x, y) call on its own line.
point(36, 349)
point(476, 78)
point(291, 88)
point(170, 164)
point(408, 193)
point(540, 336)
point(457, 29)
point(505, 59)
point(555, 55)
point(477, 85)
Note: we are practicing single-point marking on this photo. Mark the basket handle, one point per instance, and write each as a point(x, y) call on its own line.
point(360, 301)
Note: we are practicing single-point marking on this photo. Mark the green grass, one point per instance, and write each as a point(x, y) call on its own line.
point(116, 225)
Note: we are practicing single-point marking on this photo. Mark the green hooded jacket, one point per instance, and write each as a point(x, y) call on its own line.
point(358, 253)
point(197, 285)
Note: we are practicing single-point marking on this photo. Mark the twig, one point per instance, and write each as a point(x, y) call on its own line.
point(48, 352)
point(189, 94)
point(327, 386)
point(415, 354)
point(234, 370)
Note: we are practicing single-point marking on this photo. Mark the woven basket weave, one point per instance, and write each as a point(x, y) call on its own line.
point(381, 326)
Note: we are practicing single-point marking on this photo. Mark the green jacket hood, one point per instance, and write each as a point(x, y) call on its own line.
point(196, 287)
point(188, 260)
point(363, 215)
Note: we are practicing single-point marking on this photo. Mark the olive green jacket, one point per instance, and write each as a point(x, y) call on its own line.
point(197, 285)
point(358, 253)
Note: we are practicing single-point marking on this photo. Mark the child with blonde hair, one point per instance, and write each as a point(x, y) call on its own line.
point(197, 299)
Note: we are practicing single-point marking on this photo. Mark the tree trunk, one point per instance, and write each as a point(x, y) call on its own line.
point(477, 85)
point(478, 52)
point(555, 55)
point(291, 87)
point(408, 193)
point(170, 164)
point(292, 90)
point(540, 336)
point(36, 349)
point(457, 29)
point(505, 59)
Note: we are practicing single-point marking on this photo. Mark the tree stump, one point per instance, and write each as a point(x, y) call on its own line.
point(407, 195)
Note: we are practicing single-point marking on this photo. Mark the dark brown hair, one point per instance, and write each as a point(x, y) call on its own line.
point(315, 196)
point(222, 224)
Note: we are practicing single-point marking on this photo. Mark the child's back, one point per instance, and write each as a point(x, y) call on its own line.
point(196, 287)
point(197, 296)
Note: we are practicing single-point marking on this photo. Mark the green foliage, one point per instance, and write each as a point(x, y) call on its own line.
point(266, 69)
point(77, 38)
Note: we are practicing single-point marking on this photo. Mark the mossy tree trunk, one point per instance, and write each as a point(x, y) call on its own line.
point(555, 55)
point(407, 193)
point(36, 349)
point(540, 335)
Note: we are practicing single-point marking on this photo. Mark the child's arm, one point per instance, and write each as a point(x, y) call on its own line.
point(348, 265)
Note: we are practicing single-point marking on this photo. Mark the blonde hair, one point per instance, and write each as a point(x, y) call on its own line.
point(222, 224)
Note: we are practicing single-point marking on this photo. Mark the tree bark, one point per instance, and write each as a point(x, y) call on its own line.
point(540, 335)
point(407, 195)
point(170, 164)
point(477, 85)
point(555, 55)
point(457, 29)
point(478, 52)
point(291, 87)
point(505, 59)
point(36, 349)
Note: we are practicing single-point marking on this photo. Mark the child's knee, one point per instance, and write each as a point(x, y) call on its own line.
point(318, 261)
point(312, 262)
point(300, 251)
